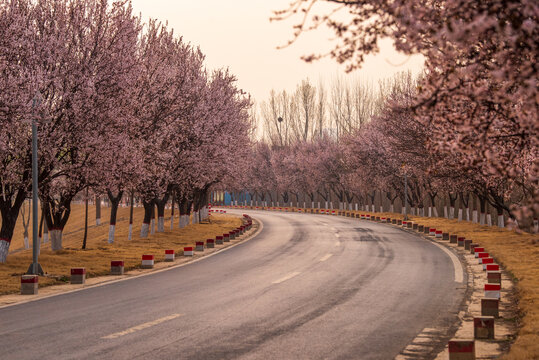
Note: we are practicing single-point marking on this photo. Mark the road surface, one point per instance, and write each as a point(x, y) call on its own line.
point(306, 287)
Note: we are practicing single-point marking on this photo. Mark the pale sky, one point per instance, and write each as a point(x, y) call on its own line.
point(238, 34)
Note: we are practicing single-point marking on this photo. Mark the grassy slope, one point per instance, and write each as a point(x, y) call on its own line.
point(96, 258)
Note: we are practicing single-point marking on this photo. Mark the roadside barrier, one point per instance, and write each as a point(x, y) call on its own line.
point(490, 307)
point(478, 249)
point(117, 267)
point(147, 261)
point(169, 255)
point(483, 327)
point(199, 246)
point(460, 241)
point(188, 251)
point(494, 277)
point(467, 243)
point(29, 284)
point(438, 234)
point(226, 237)
point(493, 267)
point(452, 239)
point(78, 275)
point(210, 243)
point(432, 232)
point(219, 240)
point(493, 291)
point(461, 349)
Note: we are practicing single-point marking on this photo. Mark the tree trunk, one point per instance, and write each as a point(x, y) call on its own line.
point(56, 215)
point(10, 211)
point(97, 210)
point(85, 237)
point(114, 201)
point(161, 203)
point(172, 212)
point(148, 212)
point(130, 234)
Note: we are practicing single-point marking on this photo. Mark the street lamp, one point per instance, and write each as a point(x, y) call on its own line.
point(280, 120)
point(35, 268)
point(405, 192)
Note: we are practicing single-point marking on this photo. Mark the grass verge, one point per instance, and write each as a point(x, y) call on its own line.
point(98, 254)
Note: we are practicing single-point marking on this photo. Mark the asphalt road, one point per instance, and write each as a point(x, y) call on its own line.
point(307, 287)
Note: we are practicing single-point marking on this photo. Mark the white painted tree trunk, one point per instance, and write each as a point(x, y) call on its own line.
point(535, 226)
point(130, 234)
point(56, 239)
point(430, 211)
point(452, 212)
point(152, 226)
point(171, 222)
point(304, 205)
point(326, 205)
point(111, 233)
point(372, 208)
point(501, 222)
point(26, 243)
point(145, 228)
point(489, 220)
point(331, 204)
point(467, 214)
point(312, 204)
point(460, 214)
point(381, 209)
point(319, 205)
point(412, 210)
point(97, 222)
point(356, 207)
point(474, 216)
point(482, 219)
point(160, 224)
point(391, 208)
point(4, 249)
point(423, 212)
point(45, 238)
point(435, 211)
point(446, 214)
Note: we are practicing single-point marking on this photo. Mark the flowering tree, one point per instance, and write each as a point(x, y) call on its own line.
point(479, 94)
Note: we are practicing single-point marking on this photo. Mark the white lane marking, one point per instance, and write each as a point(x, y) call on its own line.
point(327, 256)
point(337, 235)
point(141, 326)
point(287, 277)
point(459, 277)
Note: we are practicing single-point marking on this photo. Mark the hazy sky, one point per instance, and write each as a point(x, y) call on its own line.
point(238, 34)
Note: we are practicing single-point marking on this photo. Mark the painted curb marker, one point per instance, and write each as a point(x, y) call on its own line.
point(147, 261)
point(117, 267)
point(169, 255)
point(78, 275)
point(29, 284)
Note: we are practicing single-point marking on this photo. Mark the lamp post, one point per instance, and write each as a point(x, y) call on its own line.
point(405, 192)
point(280, 120)
point(35, 267)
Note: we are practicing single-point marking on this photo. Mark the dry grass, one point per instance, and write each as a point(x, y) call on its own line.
point(96, 258)
point(518, 253)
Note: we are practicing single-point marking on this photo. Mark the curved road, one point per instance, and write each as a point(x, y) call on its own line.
point(307, 287)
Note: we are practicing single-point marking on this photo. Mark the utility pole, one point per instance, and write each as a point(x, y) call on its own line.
point(35, 268)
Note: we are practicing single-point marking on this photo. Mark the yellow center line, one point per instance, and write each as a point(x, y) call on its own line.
point(141, 327)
